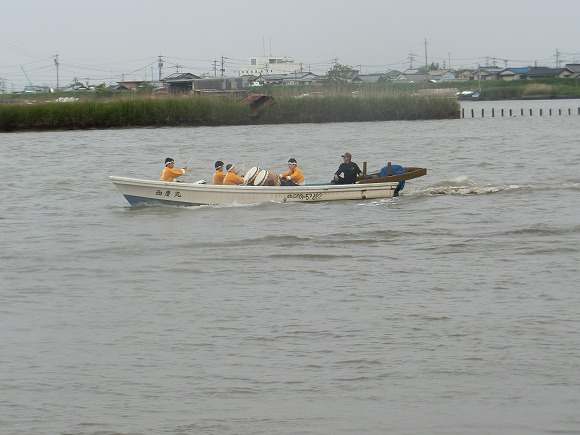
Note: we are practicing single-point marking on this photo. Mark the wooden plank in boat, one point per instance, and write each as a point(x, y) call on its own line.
point(409, 174)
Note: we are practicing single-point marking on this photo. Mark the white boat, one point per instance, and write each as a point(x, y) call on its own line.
point(142, 192)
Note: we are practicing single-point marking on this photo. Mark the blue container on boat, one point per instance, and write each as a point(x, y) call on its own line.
point(395, 170)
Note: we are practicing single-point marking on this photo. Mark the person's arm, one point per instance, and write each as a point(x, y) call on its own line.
point(339, 171)
point(297, 177)
point(172, 172)
point(239, 179)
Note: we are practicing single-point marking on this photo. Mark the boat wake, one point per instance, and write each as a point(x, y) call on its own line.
point(465, 186)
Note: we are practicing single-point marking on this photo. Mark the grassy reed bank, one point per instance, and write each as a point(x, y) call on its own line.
point(539, 88)
point(146, 111)
point(518, 89)
point(359, 108)
point(120, 113)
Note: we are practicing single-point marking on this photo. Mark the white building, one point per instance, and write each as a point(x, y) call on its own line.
point(270, 65)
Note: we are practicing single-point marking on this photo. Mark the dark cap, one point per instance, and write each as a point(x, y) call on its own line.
point(229, 166)
point(218, 164)
point(292, 160)
point(347, 155)
point(169, 160)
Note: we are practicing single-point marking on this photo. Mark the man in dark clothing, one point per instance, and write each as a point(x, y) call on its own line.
point(348, 169)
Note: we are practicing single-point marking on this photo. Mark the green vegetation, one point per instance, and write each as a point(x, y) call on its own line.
point(340, 74)
point(519, 89)
point(122, 112)
point(357, 108)
point(336, 103)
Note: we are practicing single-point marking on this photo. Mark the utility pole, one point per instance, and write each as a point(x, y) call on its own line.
point(160, 65)
point(215, 62)
point(57, 63)
point(222, 68)
point(426, 64)
point(557, 58)
point(411, 59)
point(449, 64)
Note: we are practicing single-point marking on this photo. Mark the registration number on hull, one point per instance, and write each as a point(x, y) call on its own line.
point(305, 196)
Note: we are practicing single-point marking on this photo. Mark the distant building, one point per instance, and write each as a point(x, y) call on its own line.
point(570, 70)
point(296, 78)
point(507, 74)
point(131, 85)
point(412, 76)
point(510, 74)
point(368, 78)
point(466, 75)
point(261, 65)
point(219, 84)
point(441, 75)
point(179, 82)
point(530, 73)
point(392, 74)
point(36, 89)
point(487, 73)
point(542, 72)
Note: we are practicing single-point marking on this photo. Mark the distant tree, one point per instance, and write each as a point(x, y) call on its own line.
point(433, 67)
point(340, 74)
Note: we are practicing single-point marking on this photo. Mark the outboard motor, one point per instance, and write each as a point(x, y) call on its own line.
point(395, 170)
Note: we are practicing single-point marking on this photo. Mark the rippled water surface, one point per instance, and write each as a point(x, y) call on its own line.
point(453, 309)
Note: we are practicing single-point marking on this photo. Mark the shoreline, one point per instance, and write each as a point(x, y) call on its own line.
point(180, 111)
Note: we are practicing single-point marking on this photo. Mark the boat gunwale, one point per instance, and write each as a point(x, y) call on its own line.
point(246, 188)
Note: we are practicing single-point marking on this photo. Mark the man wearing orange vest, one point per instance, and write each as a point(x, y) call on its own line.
point(294, 176)
point(169, 173)
point(232, 178)
point(218, 177)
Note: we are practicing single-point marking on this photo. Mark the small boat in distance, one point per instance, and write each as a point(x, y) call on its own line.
point(468, 96)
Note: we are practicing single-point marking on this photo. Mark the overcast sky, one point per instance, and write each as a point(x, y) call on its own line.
point(104, 41)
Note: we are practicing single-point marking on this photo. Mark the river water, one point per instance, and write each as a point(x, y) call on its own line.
point(452, 309)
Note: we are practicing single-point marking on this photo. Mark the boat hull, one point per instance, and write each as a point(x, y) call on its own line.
point(147, 192)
